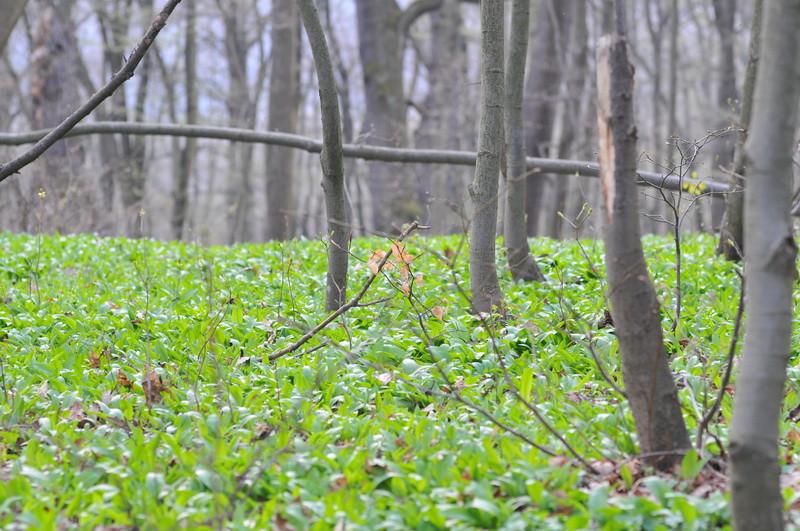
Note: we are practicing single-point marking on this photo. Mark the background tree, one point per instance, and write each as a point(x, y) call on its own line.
point(284, 96)
point(520, 260)
point(770, 268)
point(731, 237)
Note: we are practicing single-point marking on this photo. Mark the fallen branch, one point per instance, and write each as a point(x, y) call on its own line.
point(353, 302)
point(356, 151)
point(124, 74)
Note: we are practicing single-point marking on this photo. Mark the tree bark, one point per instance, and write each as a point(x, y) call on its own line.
point(331, 158)
point(483, 190)
point(731, 237)
point(284, 96)
point(520, 261)
point(651, 391)
point(770, 265)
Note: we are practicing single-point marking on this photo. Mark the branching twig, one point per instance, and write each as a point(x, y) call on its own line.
point(353, 302)
point(124, 74)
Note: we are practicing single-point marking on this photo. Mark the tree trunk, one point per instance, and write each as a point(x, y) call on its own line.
point(722, 151)
point(650, 388)
point(331, 158)
point(770, 265)
point(520, 261)
point(54, 94)
point(188, 153)
point(731, 238)
point(284, 96)
point(486, 294)
point(380, 48)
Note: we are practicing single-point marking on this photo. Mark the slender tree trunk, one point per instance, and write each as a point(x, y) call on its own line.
point(483, 190)
point(731, 238)
point(770, 265)
point(331, 158)
point(188, 153)
point(283, 100)
point(649, 385)
point(520, 261)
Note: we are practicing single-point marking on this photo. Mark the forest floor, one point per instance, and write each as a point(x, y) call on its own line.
point(136, 390)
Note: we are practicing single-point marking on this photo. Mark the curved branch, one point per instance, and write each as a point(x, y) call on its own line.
point(124, 74)
point(414, 11)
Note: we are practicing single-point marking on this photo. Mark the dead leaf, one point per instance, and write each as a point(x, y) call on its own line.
point(122, 379)
point(43, 389)
point(375, 259)
point(437, 312)
point(398, 250)
point(153, 388)
point(94, 359)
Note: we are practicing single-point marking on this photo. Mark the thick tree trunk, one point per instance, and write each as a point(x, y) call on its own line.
point(483, 190)
point(54, 94)
point(650, 388)
point(331, 158)
point(284, 96)
point(770, 266)
point(731, 238)
point(520, 261)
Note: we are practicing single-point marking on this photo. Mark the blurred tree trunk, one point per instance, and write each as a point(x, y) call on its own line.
point(14, 10)
point(243, 25)
point(520, 261)
point(575, 110)
point(123, 158)
point(722, 151)
point(731, 238)
point(649, 385)
point(381, 51)
point(485, 287)
point(187, 153)
point(54, 94)
point(541, 95)
point(443, 123)
point(756, 497)
point(284, 96)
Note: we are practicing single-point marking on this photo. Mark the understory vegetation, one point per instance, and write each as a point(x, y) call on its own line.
point(136, 390)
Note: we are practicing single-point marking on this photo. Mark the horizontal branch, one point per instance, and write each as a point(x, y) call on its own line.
point(386, 154)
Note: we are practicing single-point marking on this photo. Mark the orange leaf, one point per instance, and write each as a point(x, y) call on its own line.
point(95, 359)
point(123, 380)
point(437, 312)
point(400, 254)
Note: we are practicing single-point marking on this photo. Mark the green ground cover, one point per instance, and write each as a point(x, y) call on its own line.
point(135, 391)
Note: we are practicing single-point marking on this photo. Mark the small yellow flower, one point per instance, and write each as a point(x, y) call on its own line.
point(42, 195)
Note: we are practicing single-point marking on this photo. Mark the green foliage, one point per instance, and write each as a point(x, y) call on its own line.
point(134, 390)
